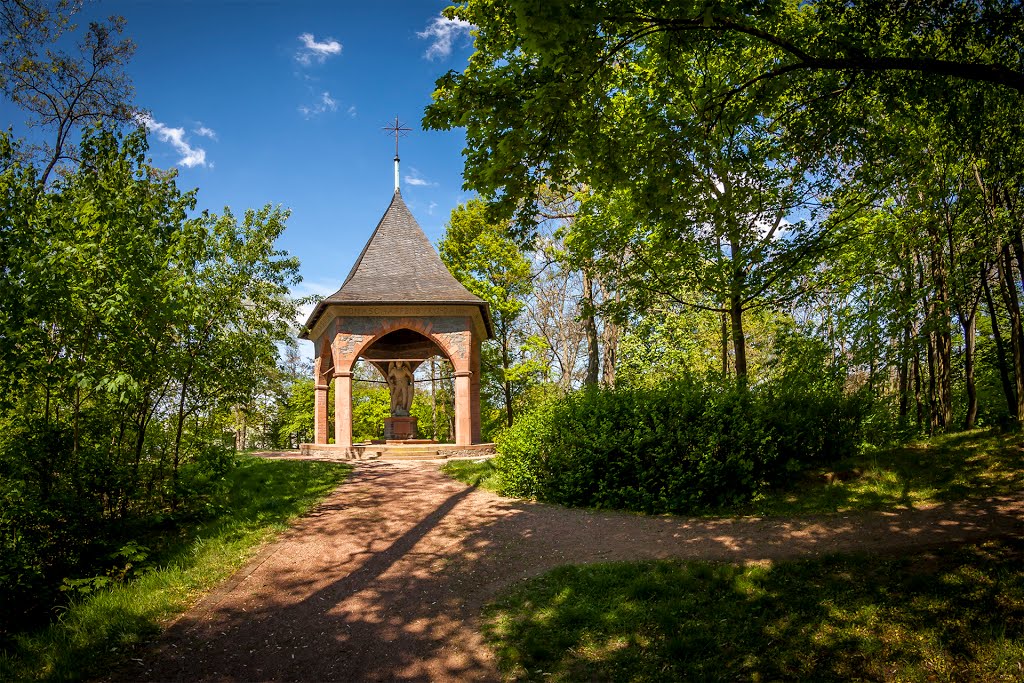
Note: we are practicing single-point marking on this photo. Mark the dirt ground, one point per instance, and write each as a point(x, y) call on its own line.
point(385, 579)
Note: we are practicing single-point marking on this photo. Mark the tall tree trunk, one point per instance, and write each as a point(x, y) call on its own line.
point(1008, 288)
point(969, 326)
point(725, 344)
point(941, 346)
point(610, 342)
point(590, 325)
point(739, 340)
point(904, 374)
point(1004, 370)
point(506, 361)
point(180, 427)
point(933, 409)
point(918, 403)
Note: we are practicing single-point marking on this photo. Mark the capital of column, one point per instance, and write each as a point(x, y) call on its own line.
point(344, 374)
point(322, 387)
point(463, 373)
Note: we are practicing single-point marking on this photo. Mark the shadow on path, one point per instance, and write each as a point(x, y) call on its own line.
point(385, 579)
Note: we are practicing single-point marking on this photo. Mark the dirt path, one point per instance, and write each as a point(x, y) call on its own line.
point(386, 578)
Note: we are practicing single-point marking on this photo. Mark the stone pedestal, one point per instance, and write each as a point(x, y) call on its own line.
point(399, 428)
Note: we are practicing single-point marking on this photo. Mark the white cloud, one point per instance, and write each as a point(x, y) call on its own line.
point(416, 180)
point(431, 207)
point(316, 51)
point(325, 104)
point(190, 156)
point(352, 111)
point(442, 32)
point(305, 289)
point(204, 132)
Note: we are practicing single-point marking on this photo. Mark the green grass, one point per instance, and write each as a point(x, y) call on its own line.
point(103, 628)
point(474, 472)
point(946, 468)
point(941, 615)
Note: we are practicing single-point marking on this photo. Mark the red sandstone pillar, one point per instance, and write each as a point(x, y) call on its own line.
point(474, 392)
point(320, 414)
point(463, 408)
point(343, 409)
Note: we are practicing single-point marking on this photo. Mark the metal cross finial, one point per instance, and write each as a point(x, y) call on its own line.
point(399, 131)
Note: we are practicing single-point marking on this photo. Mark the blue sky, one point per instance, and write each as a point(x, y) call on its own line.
point(284, 102)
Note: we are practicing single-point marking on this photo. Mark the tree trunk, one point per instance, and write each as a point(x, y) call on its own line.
point(739, 339)
point(933, 410)
point(941, 342)
point(1008, 289)
point(1004, 370)
point(904, 374)
point(506, 382)
point(969, 327)
point(590, 325)
point(918, 403)
point(725, 345)
point(181, 423)
point(610, 342)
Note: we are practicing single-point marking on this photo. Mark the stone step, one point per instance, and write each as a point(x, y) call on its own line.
point(406, 451)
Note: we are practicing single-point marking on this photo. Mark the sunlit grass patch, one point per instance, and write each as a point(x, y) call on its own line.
point(473, 472)
point(103, 628)
point(938, 615)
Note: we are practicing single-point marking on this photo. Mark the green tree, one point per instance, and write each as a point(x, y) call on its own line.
point(481, 254)
point(60, 89)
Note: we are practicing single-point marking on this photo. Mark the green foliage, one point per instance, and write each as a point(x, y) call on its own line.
point(370, 407)
point(144, 581)
point(296, 413)
point(680, 447)
point(482, 255)
point(131, 337)
point(952, 614)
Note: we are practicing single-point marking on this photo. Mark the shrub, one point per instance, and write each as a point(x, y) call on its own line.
point(680, 447)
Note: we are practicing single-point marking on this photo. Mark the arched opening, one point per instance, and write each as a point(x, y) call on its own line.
point(403, 361)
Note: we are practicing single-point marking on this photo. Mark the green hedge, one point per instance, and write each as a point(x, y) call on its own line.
point(681, 447)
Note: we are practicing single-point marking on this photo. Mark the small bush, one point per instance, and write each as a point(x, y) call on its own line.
point(680, 447)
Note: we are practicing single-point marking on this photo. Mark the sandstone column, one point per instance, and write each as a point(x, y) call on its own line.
point(343, 409)
point(474, 395)
point(463, 408)
point(320, 414)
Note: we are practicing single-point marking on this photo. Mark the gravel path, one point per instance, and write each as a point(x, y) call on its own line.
point(386, 578)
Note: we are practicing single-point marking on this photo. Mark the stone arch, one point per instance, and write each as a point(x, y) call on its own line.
point(459, 362)
point(323, 363)
point(323, 372)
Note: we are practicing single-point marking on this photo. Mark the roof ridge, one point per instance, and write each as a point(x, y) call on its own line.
point(400, 263)
point(359, 259)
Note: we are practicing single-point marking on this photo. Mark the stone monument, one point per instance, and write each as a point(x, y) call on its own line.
point(401, 425)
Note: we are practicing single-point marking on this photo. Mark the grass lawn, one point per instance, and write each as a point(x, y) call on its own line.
point(102, 629)
point(954, 614)
point(946, 468)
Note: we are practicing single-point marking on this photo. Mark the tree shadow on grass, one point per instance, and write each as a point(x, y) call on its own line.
point(952, 614)
point(974, 464)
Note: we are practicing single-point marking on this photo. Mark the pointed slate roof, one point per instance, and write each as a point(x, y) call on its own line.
point(399, 265)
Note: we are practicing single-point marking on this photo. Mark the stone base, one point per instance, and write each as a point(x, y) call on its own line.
point(399, 428)
point(370, 451)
